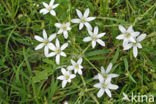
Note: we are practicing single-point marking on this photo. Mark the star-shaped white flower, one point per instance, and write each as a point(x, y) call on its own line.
point(83, 19)
point(127, 35)
point(63, 28)
point(106, 73)
point(105, 86)
point(49, 8)
point(135, 45)
point(66, 77)
point(57, 50)
point(45, 41)
point(95, 37)
point(76, 66)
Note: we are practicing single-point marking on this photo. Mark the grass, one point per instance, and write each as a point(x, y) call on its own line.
point(27, 77)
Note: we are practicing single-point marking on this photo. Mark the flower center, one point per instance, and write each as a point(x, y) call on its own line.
point(49, 8)
point(58, 51)
point(64, 28)
point(105, 76)
point(46, 42)
point(94, 37)
point(83, 20)
point(66, 77)
point(104, 85)
point(127, 35)
point(76, 66)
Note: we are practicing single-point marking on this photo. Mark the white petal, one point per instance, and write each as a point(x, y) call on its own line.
point(75, 20)
point(135, 51)
point(39, 46)
point(96, 30)
point(45, 5)
point(44, 11)
point(57, 43)
point(72, 76)
point(135, 34)
point(132, 39)
point(63, 70)
point(89, 27)
point(58, 25)
point(65, 45)
point(60, 31)
point(101, 79)
point(90, 32)
point(65, 34)
point(52, 12)
point(54, 6)
point(86, 13)
point(128, 46)
point(52, 46)
point(96, 77)
point(141, 37)
point(100, 35)
point(80, 72)
point(57, 59)
point(120, 37)
point(109, 68)
point(103, 70)
point(79, 61)
point(97, 85)
point(100, 42)
point(64, 83)
point(38, 38)
point(93, 44)
point(51, 54)
point(51, 3)
point(139, 45)
point(100, 93)
point(90, 19)
point(68, 24)
point(63, 54)
point(44, 34)
point(70, 67)
point(73, 62)
point(60, 77)
point(108, 92)
point(125, 42)
point(81, 26)
point(122, 29)
point(87, 39)
point(51, 37)
point(112, 86)
point(79, 13)
point(46, 50)
point(113, 75)
point(130, 29)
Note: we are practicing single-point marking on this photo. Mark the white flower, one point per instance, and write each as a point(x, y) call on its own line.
point(105, 86)
point(49, 8)
point(63, 28)
point(83, 19)
point(135, 45)
point(105, 73)
point(66, 77)
point(95, 37)
point(76, 66)
point(58, 50)
point(45, 41)
point(65, 102)
point(127, 35)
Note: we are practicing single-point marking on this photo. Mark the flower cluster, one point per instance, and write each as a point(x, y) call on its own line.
point(130, 39)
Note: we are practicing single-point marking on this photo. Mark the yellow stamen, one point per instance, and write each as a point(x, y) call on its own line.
point(64, 28)
point(105, 76)
point(66, 77)
point(46, 42)
point(58, 50)
point(83, 20)
point(104, 85)
point(76, 66)
point(127, 35)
